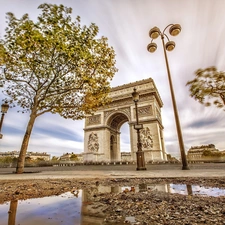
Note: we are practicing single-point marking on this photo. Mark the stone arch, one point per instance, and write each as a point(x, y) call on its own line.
point(116, 120)
point(105, 124)
point(114, 123)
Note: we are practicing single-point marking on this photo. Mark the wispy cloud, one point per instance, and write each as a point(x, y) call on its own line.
point(126, 24)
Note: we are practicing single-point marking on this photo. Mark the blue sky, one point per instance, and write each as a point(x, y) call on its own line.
point(126, 24)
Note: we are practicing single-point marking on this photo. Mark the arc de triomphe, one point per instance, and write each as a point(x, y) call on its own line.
point(102, 130)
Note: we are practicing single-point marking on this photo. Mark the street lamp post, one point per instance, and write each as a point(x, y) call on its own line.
point(4, 109)
point(154, 33)
point(138, 127)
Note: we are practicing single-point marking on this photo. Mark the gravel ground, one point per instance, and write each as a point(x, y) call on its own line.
point(149, 207)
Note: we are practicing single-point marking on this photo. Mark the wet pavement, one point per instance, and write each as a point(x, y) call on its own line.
point(163, 194)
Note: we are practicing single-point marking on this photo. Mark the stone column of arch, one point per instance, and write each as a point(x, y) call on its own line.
point(102, 130)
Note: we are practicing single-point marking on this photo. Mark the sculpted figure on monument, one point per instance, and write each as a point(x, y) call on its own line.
point(146, 138)
point(93, 144)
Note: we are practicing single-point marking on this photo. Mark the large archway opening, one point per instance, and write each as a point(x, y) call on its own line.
point(118, 123)
point(125, 138)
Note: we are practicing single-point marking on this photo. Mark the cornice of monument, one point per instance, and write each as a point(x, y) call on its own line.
point(153, 90)
point(132, 84)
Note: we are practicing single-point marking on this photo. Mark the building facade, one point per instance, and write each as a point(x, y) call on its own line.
point(205, 153)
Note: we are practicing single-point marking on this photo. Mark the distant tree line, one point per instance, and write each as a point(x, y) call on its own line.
point(209, 153)
point(10, 161)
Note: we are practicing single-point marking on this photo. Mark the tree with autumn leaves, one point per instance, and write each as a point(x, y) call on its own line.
point(54, 65)
point(208, 87)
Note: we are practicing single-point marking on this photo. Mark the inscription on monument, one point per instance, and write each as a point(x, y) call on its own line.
point(146, 97)
point(121, 102)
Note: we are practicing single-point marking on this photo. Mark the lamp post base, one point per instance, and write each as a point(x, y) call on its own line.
point(141, 168)
point(185, 168)
point(140, 160)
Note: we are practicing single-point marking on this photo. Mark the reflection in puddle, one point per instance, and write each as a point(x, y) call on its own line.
point(12, 212)
point(63, 209)
point(184, 189)
point(196, 190)
point(78, 208)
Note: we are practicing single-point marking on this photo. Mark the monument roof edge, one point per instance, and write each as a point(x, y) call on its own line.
point(132, 84)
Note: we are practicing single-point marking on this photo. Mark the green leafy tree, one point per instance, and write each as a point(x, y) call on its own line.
point(28, 159)
point(39, 159)
point(6, 159)
point(212, 153)
point(207, 153)
point(208, 84)
point(55, 159)
point(54, 65)
point(74, 157)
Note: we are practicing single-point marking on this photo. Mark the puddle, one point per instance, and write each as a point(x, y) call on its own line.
point(196, 190)
point(62, 209)
point(75, 208)
point(183, 189)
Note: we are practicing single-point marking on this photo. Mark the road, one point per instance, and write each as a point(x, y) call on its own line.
point(112, 171)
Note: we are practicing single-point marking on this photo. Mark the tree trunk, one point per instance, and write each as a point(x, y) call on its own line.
point(12, 212)
point(24, 146)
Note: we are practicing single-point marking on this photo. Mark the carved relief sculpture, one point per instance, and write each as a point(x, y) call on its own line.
point(93, 144)
point(96, 119)
point(146, 138)
point(145, 111)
